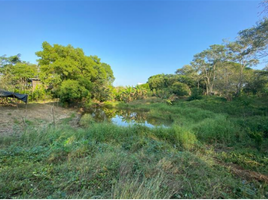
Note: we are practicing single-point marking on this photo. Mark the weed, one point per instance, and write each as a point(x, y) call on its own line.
point(102, 160)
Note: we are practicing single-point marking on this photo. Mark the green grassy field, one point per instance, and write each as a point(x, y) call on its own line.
point(214, 149)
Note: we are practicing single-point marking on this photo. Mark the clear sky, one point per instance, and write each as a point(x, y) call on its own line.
point(137, 38)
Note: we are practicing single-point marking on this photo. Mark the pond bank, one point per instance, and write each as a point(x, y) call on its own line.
point(126, 117)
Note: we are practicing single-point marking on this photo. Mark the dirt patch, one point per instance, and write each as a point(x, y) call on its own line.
point(247, 174)
point(14, 117)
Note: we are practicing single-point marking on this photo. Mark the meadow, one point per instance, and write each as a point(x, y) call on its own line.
point(214, 149)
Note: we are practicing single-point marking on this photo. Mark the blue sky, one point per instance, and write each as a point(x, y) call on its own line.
point(137, 38)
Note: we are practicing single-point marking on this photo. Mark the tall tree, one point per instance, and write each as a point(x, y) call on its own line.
point(65, 70)
point(227, 78)
point(207, 62)
point(16, 73)
point(240, 52)
point(255, 39)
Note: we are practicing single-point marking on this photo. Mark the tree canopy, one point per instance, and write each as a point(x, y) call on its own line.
point(66, 70)
point(15, 73)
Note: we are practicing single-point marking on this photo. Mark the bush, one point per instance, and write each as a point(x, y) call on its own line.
point(39, 93)
point(256, 124)
point(178, 136)
point(218, 129)
point(180, 89)
point(185, 137)
point(86, 120)
point(196, 93)
point(71, 90)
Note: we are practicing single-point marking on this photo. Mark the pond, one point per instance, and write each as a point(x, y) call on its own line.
point(127, 117)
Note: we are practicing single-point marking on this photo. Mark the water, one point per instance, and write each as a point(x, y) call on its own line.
point(127, 117)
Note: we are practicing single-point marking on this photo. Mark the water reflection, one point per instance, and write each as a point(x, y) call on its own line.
point(126, 117)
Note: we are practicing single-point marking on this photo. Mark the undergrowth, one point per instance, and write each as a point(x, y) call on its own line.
point(102, 160)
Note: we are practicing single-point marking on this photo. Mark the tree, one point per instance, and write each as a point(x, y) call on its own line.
point(240, 52)
point(101, 90)
point(180, 89)
point(256, 39)
point(62, 65)
point(71, 91)
point(157, 81)
point(207, 62)
point(227, 79)
point(257, 83)
point(188, 75)
point(186, 70)
point(5, 61)
point(16, 73)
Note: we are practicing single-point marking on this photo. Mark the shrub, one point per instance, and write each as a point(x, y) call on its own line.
point(185, 137)
point(218, 129)
point(196, 93)
point(178, 136)
point(86, 120)
point(255, 124)
point(180, 89)
point(39, 93)
point(71, 90)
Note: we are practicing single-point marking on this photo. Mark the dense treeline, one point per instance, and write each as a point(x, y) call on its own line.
point(224, 70)
point(67, 73)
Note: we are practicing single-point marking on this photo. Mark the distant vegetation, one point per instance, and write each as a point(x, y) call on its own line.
point(68, 74)
point(65, 72)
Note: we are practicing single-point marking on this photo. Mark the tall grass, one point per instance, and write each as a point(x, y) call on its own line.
point(218, 129)
point(102, 160)
point(107, 161)
point(140, 188)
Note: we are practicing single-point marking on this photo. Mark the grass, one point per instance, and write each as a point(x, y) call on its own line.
point(102, 160)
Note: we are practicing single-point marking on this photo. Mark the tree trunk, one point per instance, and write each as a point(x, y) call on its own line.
point(239, 88)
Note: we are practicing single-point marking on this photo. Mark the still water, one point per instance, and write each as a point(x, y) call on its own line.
point(127, 117)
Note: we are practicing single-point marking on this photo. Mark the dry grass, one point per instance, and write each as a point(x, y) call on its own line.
point(16, 116)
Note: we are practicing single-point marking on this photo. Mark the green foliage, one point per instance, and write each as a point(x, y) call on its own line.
point(163, 93)
point(38, 93)
point(128, 94)
point(106, 161)
point(71, 91)
point(248, 158)
point(256, 37)
point(196, 93)
point(147, 188)
point(167, 85)
point(15, 74)
point(218, 129)
point(257, 83)
point(145, 86)
point(178, 136)
point(257, 124)
point(71, 75)
point(180, 89)
point(102, 160)
point(86, 120)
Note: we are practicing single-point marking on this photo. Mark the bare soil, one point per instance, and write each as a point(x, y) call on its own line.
point(247, 174)
point(13, 117)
